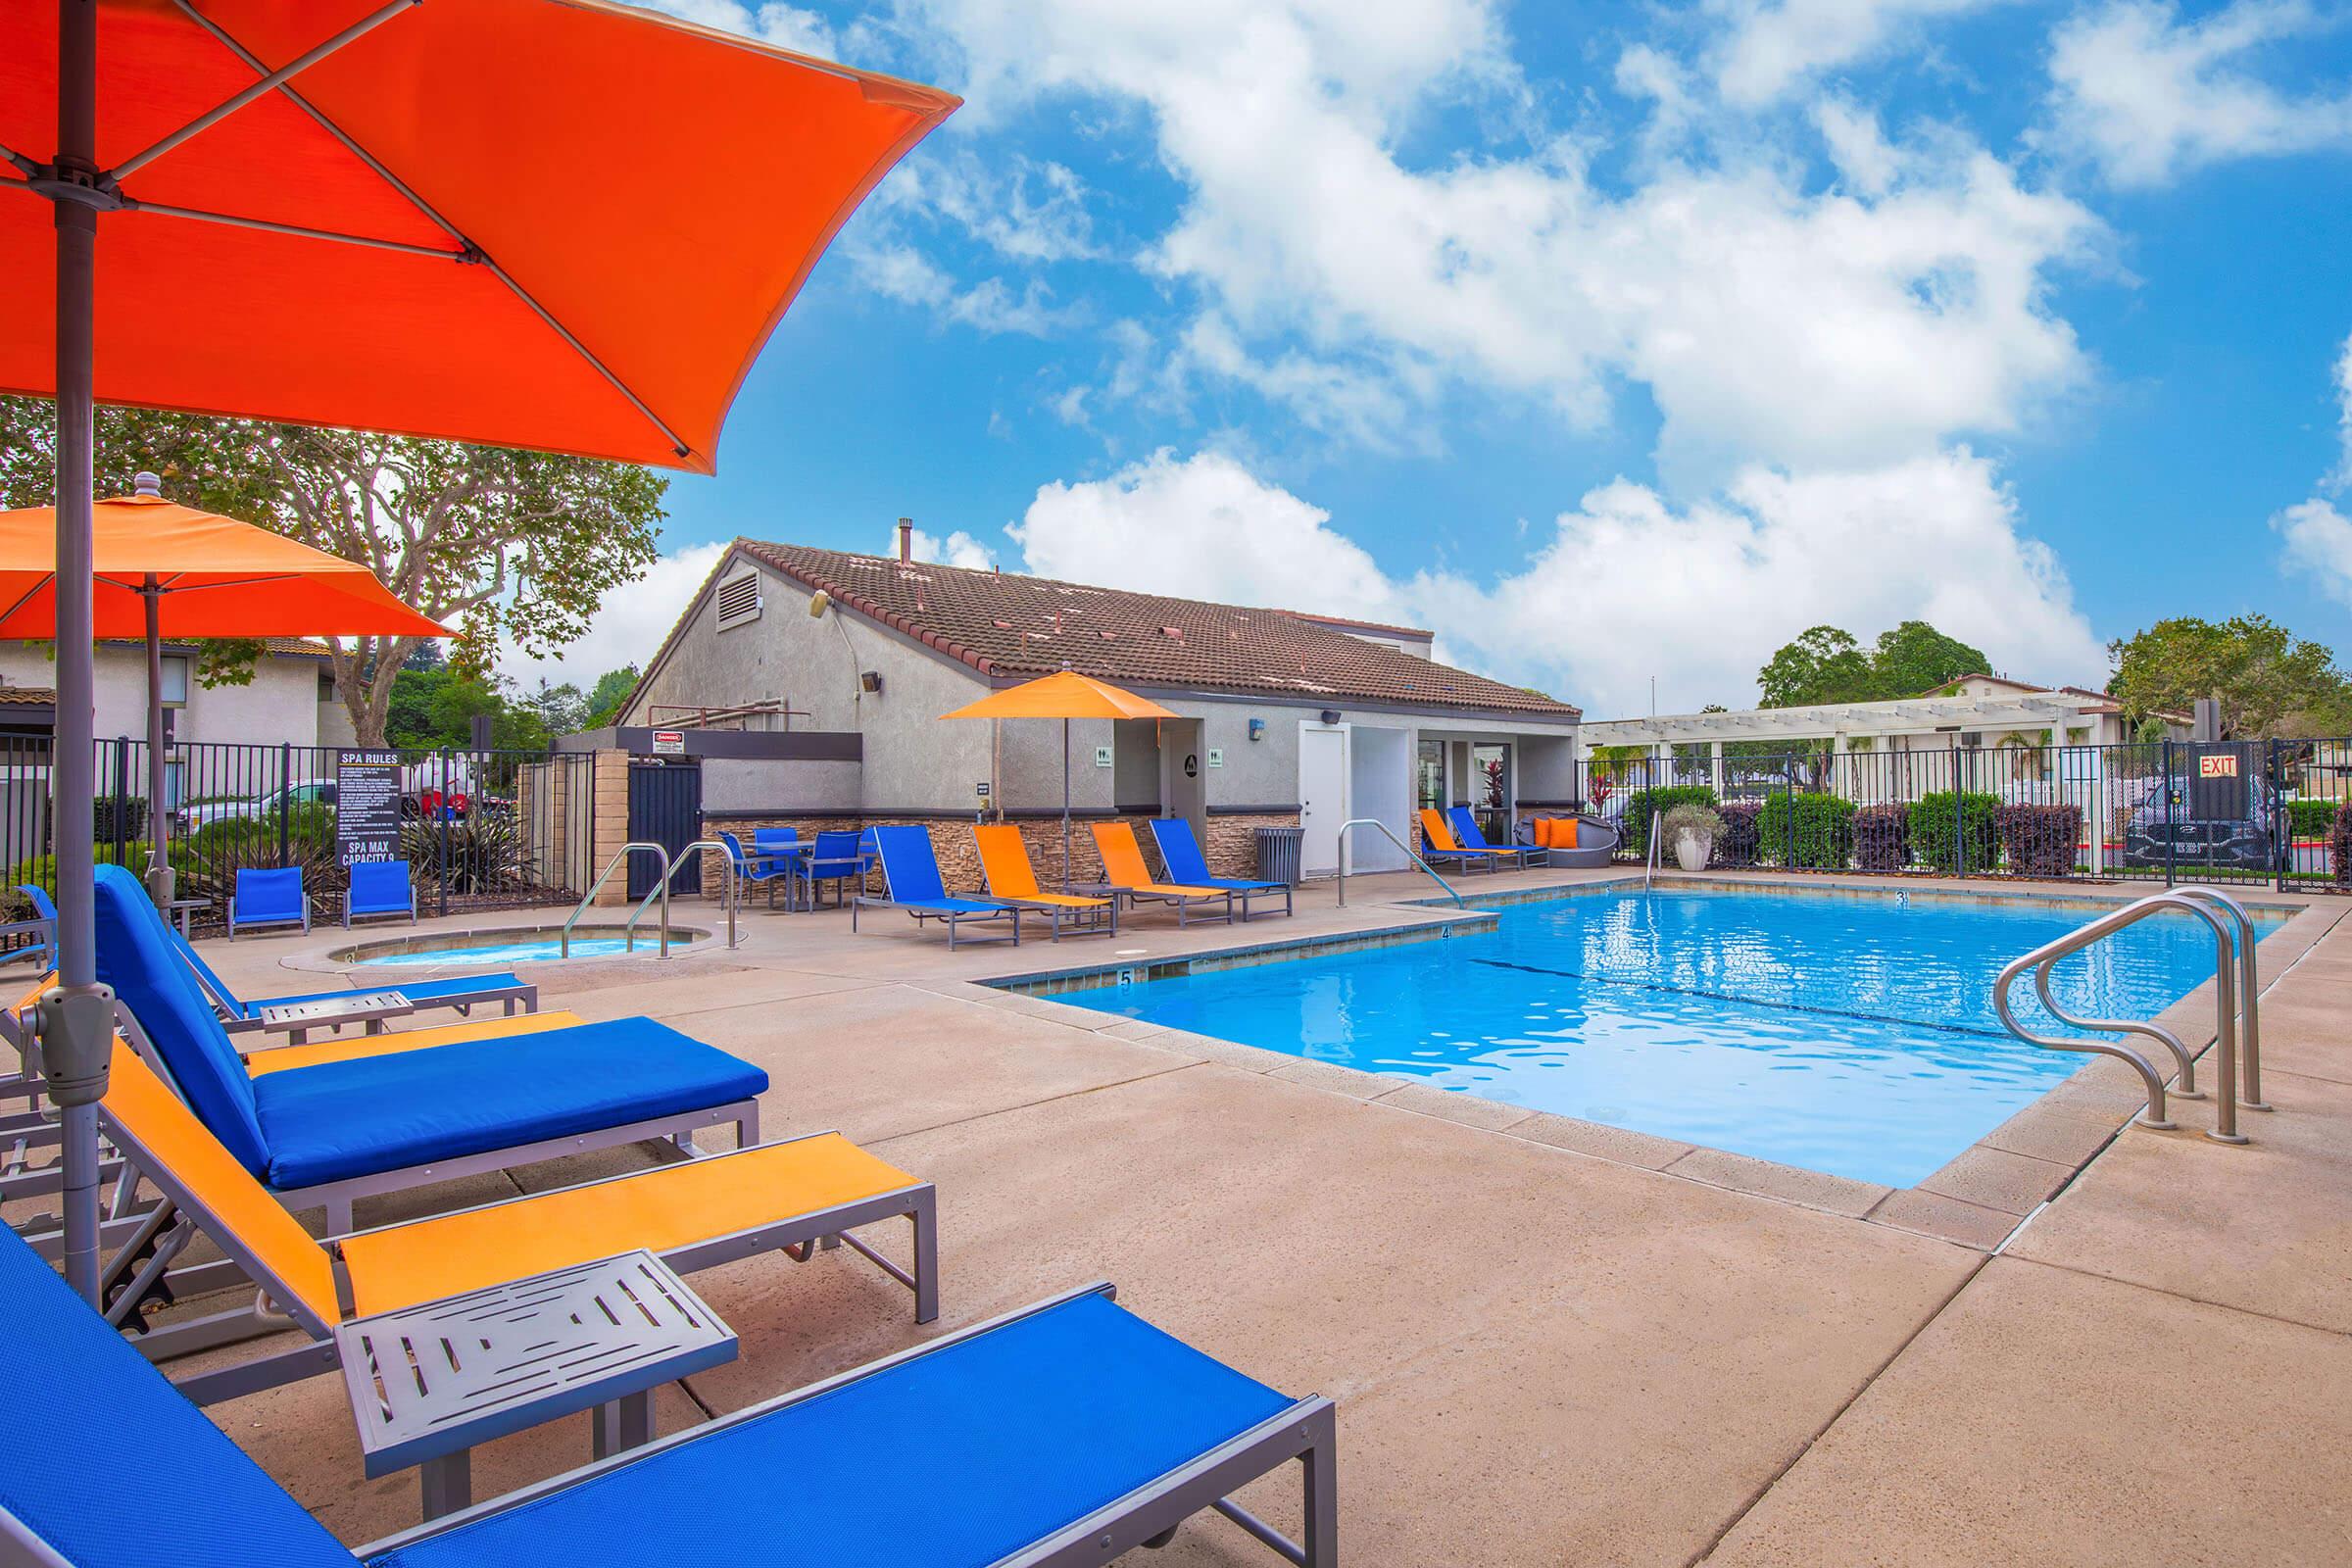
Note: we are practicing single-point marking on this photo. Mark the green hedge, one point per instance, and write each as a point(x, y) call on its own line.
point(1935, 845)
point(1808, 832)
point(2311, 820)
point(1640, 804)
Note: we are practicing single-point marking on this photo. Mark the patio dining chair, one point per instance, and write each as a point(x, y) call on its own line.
point(757, 869)
point(835, 859)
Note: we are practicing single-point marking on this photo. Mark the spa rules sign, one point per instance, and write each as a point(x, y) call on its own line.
point(367, 806)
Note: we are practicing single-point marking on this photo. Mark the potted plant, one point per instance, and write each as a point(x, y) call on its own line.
point(1693, 830)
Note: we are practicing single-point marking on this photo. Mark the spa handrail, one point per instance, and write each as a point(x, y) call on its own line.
point(730, 880)
point(660, 889)
point(2230, 962)
point(1387, 833)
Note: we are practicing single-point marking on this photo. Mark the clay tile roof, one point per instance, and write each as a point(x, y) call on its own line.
point(1005, 624)
point(28, 696)
point(298, 647)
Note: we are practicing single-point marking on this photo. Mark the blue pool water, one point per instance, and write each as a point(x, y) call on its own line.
point(506, 952)
point(1845, 1031)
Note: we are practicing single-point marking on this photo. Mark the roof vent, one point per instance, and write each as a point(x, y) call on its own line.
point(1176, 632)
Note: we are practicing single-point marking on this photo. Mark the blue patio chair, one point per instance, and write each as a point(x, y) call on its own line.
point(1467, 833)
point(756, 869)
point(912, 871)
point(461, 994)
point(769, 837)
point(268, 898)
point(835, 859)
point(44, 950)
point(328, 1133)
point(1068, 1431)
point(379, 887)
point(1180, 852)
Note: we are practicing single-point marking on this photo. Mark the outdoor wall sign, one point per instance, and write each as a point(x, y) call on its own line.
point(669, 742)
point(367, 806)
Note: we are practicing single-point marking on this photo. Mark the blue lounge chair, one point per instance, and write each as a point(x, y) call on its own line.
point(268, 898)
point(379, 887)
point(335, 1131)
point(1180, 852)
point(915, 888)
point(461, 994)
point(44, 950)
point(1069, 1432)
point(753, 868)
point(1467, 833)
point(834, 859)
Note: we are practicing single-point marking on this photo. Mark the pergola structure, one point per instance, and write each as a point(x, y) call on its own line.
point(1844, 722)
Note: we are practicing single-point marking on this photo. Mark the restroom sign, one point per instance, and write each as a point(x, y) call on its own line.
point(2218, 764)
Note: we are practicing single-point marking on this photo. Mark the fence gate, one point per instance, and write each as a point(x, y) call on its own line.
point(665, 807)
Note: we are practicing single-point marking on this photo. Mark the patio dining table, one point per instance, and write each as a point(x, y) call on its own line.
point(792, 859)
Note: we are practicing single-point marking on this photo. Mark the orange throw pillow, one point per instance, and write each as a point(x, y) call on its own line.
point(1563, 833)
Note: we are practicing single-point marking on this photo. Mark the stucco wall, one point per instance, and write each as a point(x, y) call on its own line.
point(779, 784)
point(281, 706)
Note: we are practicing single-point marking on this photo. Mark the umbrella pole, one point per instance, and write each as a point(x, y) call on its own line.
point(76, 1019)
point(158, 858)
point(1065, 804)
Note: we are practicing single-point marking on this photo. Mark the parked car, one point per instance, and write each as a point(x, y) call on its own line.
point(2243, 842)
point(187, 818)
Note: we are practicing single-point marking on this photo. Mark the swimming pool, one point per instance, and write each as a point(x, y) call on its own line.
point(496, 949)
point(1842, 1031)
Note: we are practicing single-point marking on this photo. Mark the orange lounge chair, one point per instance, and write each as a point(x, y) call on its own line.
point(1012, 877)
point(1438, 843)
point(1126, 876)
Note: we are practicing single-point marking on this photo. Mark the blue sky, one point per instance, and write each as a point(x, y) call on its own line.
point(1609, 341)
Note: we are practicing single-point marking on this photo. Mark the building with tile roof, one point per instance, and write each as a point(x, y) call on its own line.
point(290, 700)
point(1285, 717)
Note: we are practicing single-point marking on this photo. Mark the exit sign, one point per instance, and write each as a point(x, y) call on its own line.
point(2218, 764)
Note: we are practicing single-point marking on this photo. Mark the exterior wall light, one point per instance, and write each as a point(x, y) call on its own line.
point(1257, 729)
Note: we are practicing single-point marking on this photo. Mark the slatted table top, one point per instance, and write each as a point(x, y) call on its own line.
point(385, 1003)
point(430, 1380)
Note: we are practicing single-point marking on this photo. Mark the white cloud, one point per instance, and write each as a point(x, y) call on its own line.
point(1202, 527)
point(1774, 46)
point(2317, 541)
point(1626, 587)
point(1865, 160)
point(627, 627)
point(902, 272)
point(2148, 96)
point(2341, 479)
point(1768, 321)
point(786, 27)
point(1022, 208)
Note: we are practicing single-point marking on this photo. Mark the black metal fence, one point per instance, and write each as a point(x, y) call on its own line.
point(479, 830)
point(2244, 811)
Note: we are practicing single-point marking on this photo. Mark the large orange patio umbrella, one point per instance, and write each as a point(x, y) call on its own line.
point(1065, 695)
point(556, 223)
point(163, 570)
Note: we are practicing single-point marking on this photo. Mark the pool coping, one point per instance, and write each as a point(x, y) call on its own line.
point(1978, 1199)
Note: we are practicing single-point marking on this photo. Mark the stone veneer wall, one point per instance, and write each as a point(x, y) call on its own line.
point(1231, 850)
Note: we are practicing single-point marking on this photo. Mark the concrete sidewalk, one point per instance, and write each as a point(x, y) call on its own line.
point(1543, 1354)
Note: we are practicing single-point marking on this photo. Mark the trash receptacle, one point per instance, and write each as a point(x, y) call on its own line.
point(1278, 854)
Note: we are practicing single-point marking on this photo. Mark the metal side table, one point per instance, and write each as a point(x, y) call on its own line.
point(428, 1382)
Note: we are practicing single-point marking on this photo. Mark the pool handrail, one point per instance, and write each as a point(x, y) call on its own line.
point(2249, 994)
point(1388, 833)
point(2228, 964)
point(1650, 857)
point(730, 882)
point(629, 930)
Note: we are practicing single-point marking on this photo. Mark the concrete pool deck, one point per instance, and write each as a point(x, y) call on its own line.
point(1545, 1349)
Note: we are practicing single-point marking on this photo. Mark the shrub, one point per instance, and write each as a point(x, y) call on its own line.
point(1735, 845)
point(2312, 820)
point(1952, 833)
point(485, 852)
point(2339, 844)
point(2039, 840)
point(133, 816)
point(1812, 832)
point(1640, 804)
point(1883, 838)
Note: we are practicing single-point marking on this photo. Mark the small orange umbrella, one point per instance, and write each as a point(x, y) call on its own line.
point(1065, 695)
point(165, 571)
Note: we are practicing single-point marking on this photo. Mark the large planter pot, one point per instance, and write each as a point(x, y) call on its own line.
point(1691, 851)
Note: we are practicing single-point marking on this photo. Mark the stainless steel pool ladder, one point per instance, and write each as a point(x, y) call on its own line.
point(1649, 862)
point(2236, 1000)
point(730, 891)
point(1386, 833)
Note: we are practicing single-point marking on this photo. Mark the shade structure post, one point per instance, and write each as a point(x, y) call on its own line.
point(1066, 803)
point(76, 1017)
point(159, 876)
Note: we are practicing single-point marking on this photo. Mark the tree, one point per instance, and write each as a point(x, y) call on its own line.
point(501, 541)
point(2270, 681)
point(1825, 665)
point(1916, 658)
point(1822, 666)
point(611, 689)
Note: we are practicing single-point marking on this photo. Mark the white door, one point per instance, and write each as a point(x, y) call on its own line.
point(1322, 796)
